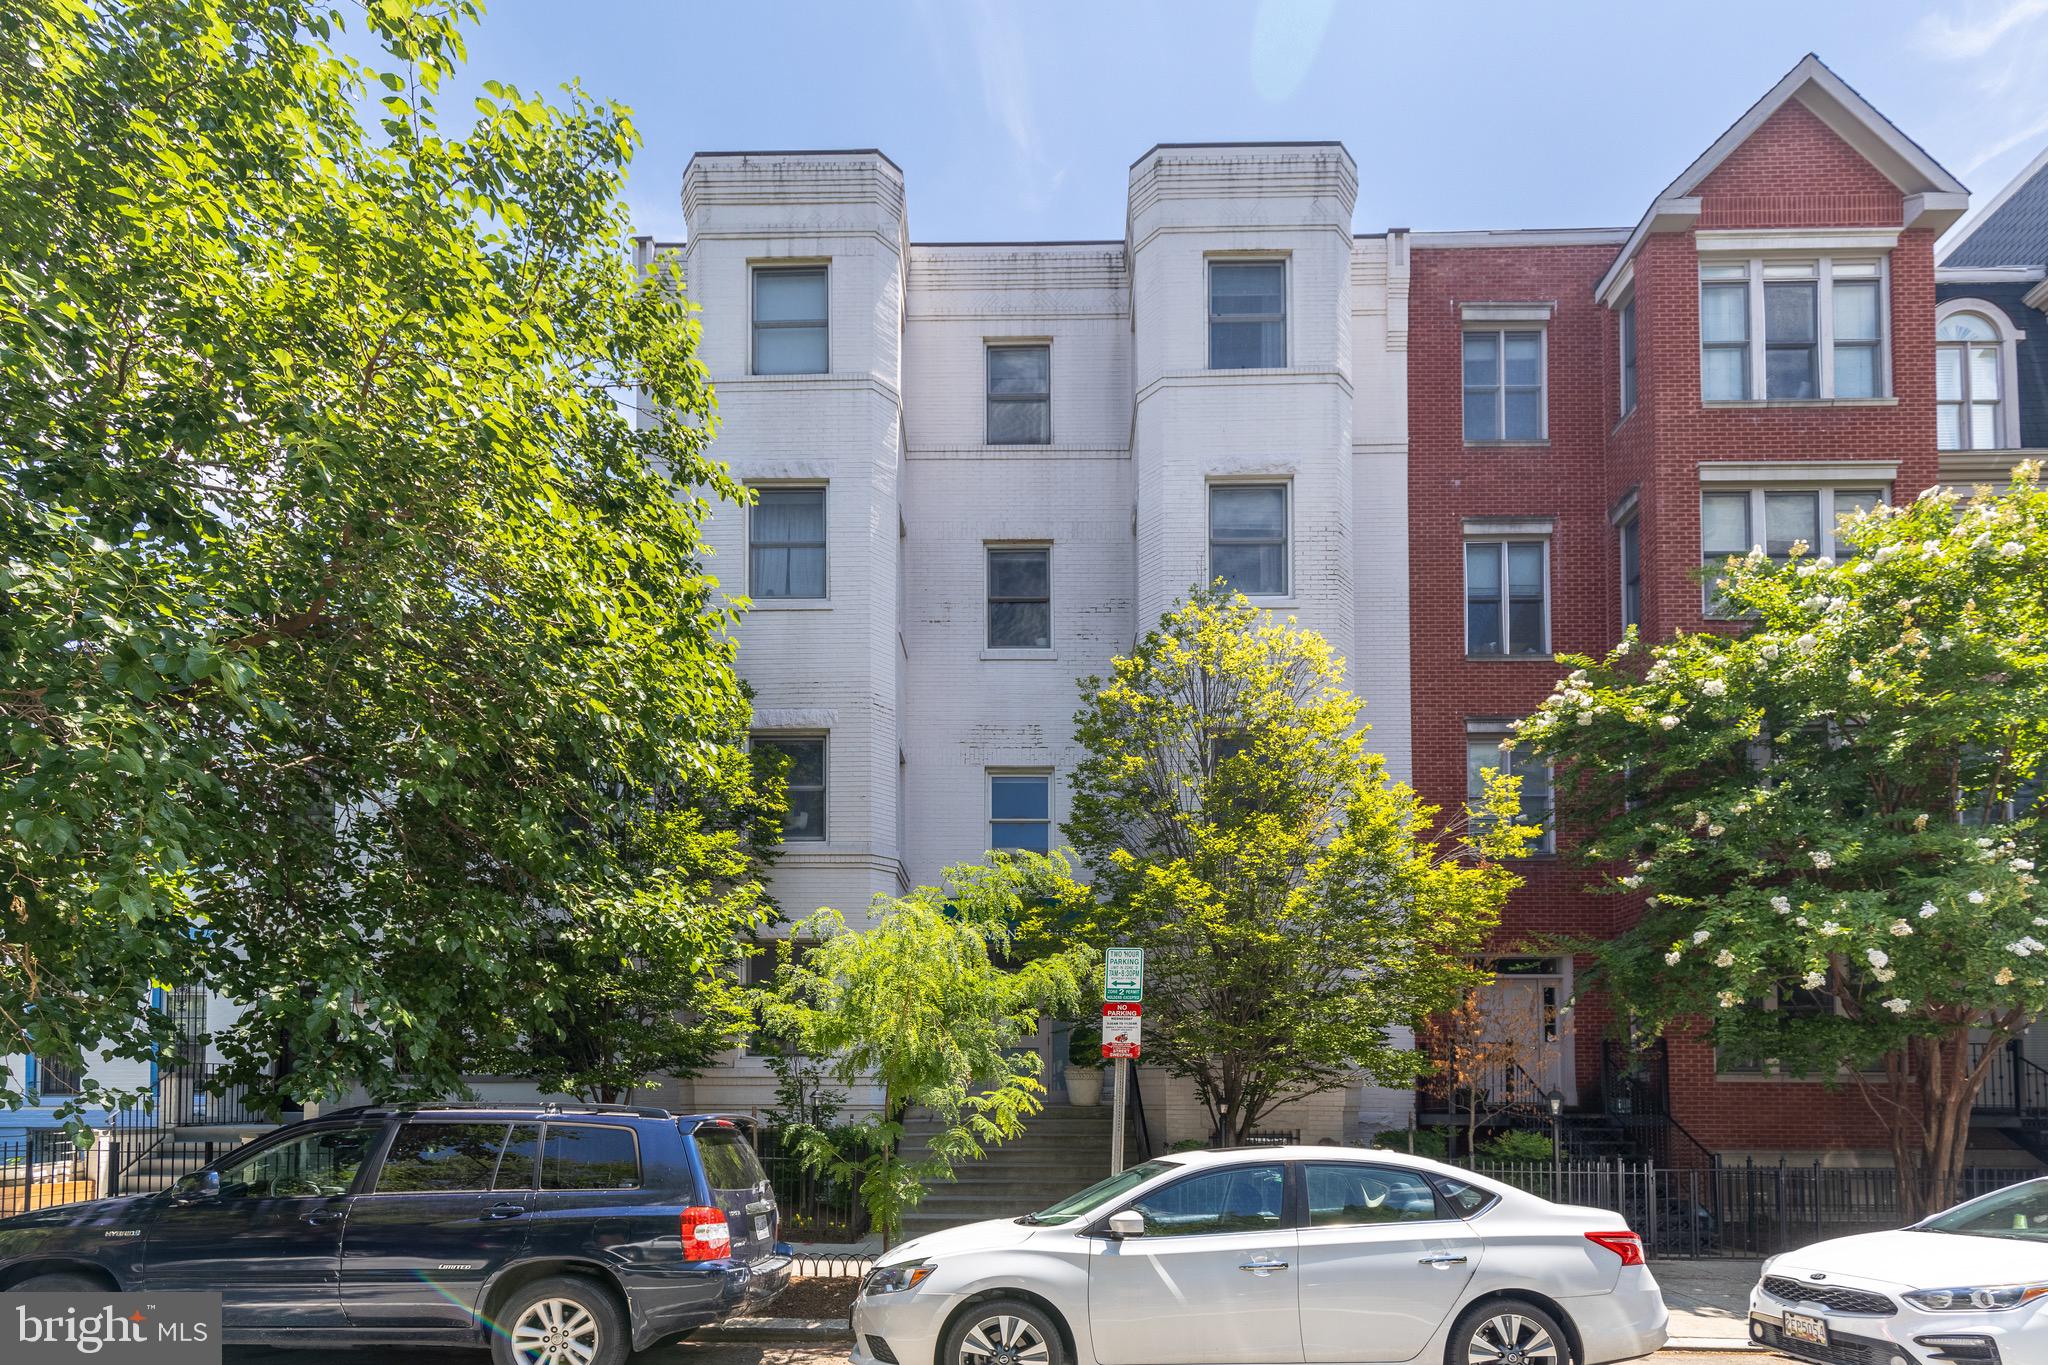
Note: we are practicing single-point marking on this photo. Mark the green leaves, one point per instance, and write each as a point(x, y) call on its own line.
point(1833, 811)
point(917, 1003)
point(354, 642)
point(1294, 905)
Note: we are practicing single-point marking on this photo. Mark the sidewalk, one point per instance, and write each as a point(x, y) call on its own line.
point(1709, 1302)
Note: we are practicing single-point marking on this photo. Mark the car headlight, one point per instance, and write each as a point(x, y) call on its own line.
point(1769, 1261)
point(1967, 1297)
point(894, 1279)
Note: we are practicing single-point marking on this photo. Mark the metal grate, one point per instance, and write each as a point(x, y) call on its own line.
point(1830, 1296)
point(879, 1349)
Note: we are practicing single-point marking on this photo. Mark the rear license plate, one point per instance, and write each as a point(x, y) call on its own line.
point(763, 1225)
point(1812, 1331)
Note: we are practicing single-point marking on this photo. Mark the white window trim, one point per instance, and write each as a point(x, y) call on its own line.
point(1286, 264)
point(1286, 487)
point(754, 268)
point(790, 603)
point(1498, 730)
point(1824, 319)
point(2009, 338)
point(988, 397)
point(988, 802)
point(1500, 331)
point(1756, 491)
point(1510, 533)
point(989, 651)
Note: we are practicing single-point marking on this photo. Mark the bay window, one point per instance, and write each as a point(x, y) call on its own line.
point(1810, 328)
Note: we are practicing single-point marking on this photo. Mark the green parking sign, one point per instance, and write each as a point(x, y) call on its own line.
point(1124, 974)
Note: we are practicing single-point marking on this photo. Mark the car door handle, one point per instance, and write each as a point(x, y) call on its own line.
point(499, 1211)
point(1443, 1261)
point(1263, 1265)
point(319, 1216)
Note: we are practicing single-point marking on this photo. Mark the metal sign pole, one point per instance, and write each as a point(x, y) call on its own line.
point(1116, 1120)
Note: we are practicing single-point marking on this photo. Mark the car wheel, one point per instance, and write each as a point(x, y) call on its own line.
point(59, 1282)
point(1003, 1332)
point(1508, 1332)
point(561, 1320)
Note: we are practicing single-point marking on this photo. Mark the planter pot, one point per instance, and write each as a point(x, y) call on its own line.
point(1084, 1085)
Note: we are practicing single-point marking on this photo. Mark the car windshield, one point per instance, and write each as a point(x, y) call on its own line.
point(1100, 1193)
point(2019, 1212)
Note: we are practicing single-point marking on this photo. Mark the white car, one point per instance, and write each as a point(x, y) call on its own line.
point(1968, 1285)
point(1268, 1256)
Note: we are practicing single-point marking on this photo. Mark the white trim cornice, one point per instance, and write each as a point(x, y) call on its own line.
point(1753, 472)
point(1666, 215)
point(2037, 297)
point(1507, 312)
point(1751, 241)
point(1509, 526)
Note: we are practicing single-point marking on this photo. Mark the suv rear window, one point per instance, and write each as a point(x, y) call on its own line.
point(589, 1157)
point(729, 1163)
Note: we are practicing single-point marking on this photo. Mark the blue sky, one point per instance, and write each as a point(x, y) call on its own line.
point(1018, 121)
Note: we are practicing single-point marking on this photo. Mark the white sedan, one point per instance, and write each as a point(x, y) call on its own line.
point(1269, 1256)
point(1968, 1285)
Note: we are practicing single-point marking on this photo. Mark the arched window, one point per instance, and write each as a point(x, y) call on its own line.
point(1973, 378)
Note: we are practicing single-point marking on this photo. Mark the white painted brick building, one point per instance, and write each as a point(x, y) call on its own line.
point(873, 390)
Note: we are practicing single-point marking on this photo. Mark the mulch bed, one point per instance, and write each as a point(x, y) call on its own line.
point(815, 1298)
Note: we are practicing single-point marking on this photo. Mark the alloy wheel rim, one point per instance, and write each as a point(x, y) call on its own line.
point(1003, 1339)
point(556, 1332)
point(1511, 1339)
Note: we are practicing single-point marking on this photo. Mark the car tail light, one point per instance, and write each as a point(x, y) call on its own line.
point(706, 1234)
point(1626, 1245)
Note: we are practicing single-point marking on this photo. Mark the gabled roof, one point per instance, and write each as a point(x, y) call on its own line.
point(2010, 230)
point(1928, 187)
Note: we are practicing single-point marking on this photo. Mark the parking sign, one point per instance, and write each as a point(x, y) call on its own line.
point(1123, 975)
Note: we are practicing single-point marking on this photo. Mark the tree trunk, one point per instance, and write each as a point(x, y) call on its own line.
point(1933, 1088)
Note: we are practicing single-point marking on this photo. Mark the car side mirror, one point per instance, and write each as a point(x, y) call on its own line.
point(200, 1187)
point(1128, 1223)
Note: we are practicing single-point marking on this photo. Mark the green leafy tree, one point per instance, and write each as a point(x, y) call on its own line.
point(923, 1005)
point(657, 995)
point(348, 625)
point(1832, 812)
point(1293, 901)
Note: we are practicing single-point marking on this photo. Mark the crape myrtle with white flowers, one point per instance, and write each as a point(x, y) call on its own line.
point(1829, 808)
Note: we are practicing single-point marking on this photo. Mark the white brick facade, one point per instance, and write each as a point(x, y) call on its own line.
point(893, 664)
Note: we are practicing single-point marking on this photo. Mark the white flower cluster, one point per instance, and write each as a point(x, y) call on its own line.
point(1928, 909)
point(1702, 935)
point(1671, 958)
point(1715, 687)
point(1822, 859)
point(1724, 958)
point(1813, 981)
point(1901, 929)
point(2026, 947)
point(1729, 999)
point(1878, 957)
point(1898, 1005)
point(1781, 905)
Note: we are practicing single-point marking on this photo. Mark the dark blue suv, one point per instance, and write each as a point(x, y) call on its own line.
point(559, 1234)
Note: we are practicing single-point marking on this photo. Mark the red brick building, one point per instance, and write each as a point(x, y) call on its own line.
point(1591, 413)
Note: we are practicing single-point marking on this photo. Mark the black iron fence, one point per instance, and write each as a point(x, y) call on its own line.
point(815, 1208)
point(42, 1170)
point(1742, 1211)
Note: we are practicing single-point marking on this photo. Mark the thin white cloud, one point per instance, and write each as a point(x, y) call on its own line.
point(2026, 136)
point(1975, 31)
point(1286, 36)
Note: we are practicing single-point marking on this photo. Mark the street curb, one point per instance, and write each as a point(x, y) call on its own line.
point(1732, 1345)
point(778, 1329)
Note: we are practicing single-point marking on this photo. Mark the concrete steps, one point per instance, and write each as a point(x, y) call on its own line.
point(1062, 1149)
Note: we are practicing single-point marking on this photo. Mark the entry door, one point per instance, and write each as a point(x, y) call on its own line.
point(1212, 1279)
point(1382, 1263)
point(270, 1245)
point(1523, 1010)
point(448, 1210)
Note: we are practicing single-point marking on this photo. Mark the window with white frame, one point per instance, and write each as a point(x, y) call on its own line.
point(1248, 537)
point(1020, 811)
point(1792, 329)
point(1627, 330)
point(1020, 597)
point(786, 543)
point(1969, 366)
point(1504, 384)
point(1507, 597)
point(1735, 520)
point(800, 760)
point(1019, 395)
point(1483, 753)
point(1632, 572)
point(1247, 314)
point(791, 311)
